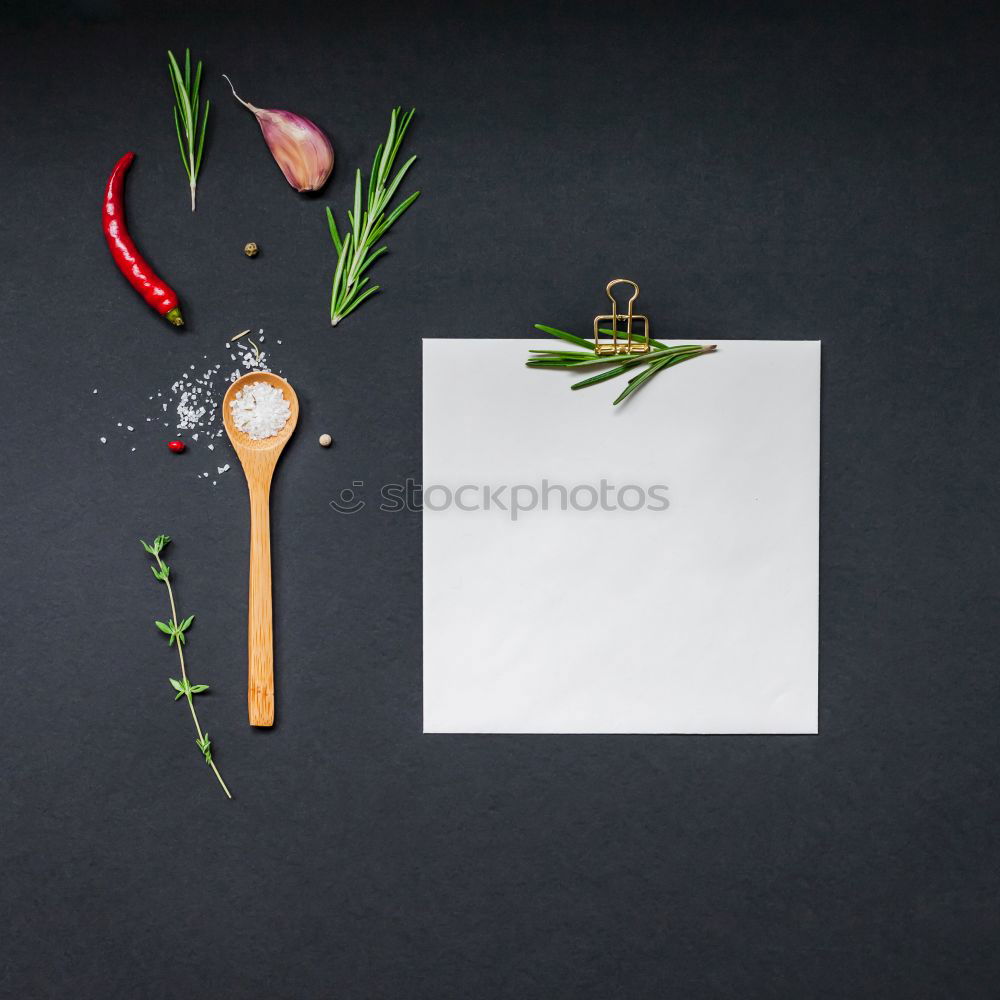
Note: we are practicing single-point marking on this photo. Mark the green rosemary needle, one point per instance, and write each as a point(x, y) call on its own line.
point(369, 222)
point(187, 112)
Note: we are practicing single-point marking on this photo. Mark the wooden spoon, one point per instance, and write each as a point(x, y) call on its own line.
point(258, 459)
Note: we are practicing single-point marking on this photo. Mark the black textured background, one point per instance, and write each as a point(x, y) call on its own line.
point(779, 172)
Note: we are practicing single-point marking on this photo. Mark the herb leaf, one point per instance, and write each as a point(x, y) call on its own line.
point(563, 335)
point(205, 746)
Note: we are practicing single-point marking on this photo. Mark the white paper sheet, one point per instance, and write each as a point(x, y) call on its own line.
point(700, 618)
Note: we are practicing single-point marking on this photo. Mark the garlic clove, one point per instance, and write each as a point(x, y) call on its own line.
point(299, 146)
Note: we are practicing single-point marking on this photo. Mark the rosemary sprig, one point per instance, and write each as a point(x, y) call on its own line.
point(656, 360)
point(187, 112)
point(368, 224)
point(175, 630)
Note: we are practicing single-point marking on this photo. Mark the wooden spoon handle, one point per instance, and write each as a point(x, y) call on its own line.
point(260, 634)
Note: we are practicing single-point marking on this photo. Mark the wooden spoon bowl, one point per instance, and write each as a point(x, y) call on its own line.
point(258, 459)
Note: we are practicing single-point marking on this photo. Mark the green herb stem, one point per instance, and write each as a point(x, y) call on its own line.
point(187, 113)
point(662, 356)
point(370, 223)
point(175, 631)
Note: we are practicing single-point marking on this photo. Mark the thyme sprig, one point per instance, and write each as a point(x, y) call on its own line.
point(370, 223)
point(175, 630)
point(187, 112)
point(657, 359)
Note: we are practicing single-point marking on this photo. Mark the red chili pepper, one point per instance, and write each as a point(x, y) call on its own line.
point(126, 256)
point(177, 446)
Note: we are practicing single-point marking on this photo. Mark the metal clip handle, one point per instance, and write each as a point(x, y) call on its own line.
point(630, 345)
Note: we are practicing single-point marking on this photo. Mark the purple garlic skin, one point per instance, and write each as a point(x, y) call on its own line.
point(299, 147)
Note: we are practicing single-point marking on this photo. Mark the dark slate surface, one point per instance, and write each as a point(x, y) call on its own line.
point(777, 172)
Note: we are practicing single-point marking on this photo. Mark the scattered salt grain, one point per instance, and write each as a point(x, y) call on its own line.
point(95, 392)
point(104, 440)
point(260, 410)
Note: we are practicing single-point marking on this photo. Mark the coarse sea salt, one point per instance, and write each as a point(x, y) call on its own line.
point(260, 410)
point(192, 404)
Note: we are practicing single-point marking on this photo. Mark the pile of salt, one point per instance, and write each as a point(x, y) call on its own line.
point(260, 410)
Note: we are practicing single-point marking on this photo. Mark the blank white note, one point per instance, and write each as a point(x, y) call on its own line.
point(683, 601)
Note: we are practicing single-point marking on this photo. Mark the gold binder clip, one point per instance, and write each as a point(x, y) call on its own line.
point(628, 345)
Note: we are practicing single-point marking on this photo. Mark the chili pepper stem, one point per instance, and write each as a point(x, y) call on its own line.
point(174, 316)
